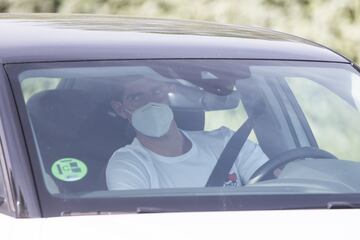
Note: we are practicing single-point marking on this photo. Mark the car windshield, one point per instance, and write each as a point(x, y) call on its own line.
point(151, 129)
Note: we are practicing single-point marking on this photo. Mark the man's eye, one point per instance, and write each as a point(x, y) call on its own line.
point(158, 92)
point(135, 98)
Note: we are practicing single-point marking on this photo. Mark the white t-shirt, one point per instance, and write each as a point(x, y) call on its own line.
point(136, 167)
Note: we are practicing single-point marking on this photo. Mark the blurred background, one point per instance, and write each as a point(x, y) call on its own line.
point(334, 23)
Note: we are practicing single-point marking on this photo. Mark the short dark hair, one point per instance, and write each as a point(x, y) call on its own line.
point(117, 88)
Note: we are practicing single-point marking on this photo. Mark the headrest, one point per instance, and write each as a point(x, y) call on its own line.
point(61, 111)
point(189, 120)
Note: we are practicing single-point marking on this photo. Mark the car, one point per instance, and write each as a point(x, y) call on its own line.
point(282, 109)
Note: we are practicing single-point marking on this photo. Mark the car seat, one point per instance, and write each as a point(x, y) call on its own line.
point(71, 123)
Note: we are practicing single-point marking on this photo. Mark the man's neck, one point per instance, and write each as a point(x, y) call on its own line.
point(174, 143)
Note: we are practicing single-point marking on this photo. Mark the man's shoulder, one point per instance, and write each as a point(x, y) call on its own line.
point(220, 135)
point(129, 152)
point(222, 132)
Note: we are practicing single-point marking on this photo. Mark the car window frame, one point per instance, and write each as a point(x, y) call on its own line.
point(57, 205)
point(21, 190)
point(5, 207)
point(304, 126)
point(8, 205)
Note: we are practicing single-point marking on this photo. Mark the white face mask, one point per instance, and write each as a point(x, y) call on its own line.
point(152, 119)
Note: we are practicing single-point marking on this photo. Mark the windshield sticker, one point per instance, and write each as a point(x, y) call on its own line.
point(69, 169)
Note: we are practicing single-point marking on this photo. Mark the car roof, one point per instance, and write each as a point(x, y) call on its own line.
point(53, 37)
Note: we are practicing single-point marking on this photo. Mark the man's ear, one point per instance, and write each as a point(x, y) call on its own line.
point(118, 107)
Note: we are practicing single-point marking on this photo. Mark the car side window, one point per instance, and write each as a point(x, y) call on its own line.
point(333, 121)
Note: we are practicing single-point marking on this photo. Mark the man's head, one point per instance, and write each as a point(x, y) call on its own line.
point(135, 91)
point(144, 102)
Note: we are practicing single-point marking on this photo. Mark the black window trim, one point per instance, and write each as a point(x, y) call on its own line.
point(299, 113)
point(21, 193)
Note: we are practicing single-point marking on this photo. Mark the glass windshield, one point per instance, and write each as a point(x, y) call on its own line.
point(151, 128)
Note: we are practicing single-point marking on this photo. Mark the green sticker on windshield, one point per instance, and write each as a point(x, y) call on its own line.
point(69, 169)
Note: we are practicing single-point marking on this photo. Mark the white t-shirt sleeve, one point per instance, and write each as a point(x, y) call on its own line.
point(125, 172)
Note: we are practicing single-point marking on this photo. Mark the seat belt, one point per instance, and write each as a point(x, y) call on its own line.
point(229, 154)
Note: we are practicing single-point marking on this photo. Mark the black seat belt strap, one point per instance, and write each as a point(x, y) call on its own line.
point(230, 154)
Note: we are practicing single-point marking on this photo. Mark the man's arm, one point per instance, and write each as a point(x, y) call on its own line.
point(251, 157)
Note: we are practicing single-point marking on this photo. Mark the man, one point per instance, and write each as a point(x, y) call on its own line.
point(162, 155)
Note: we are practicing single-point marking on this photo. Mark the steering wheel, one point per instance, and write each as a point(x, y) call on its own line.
point(265, 172)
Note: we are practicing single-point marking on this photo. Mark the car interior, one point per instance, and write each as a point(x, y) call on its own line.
point(86, 129)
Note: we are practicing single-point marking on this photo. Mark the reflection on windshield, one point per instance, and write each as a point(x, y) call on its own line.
point(142, 126)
